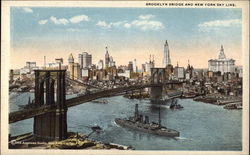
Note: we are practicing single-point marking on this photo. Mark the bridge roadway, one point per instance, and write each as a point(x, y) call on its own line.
point(29, 113)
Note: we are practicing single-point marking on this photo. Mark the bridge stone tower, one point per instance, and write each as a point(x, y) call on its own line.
point(53, 124)
point(158, 78)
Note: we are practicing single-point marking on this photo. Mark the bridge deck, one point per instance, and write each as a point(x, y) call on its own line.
point(29, 113)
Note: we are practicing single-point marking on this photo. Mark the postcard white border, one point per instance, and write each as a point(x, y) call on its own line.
point(5, 59)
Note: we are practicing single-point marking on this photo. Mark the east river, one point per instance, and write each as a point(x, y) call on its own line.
point(202, 126)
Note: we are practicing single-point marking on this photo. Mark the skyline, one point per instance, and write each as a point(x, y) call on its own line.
point(194, 34)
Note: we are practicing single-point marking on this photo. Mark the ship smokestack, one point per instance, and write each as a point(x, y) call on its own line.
point(159, 116)
point(146, 120)
point(29, 101)
point(136, 111)
point(141, 118)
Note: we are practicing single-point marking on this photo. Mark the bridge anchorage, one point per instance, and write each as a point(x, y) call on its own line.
point(53, 124)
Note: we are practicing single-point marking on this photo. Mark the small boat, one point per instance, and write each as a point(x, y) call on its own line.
point(174, 105)
point(96, 128)
point(189, 95)
point(100, 101)
point(30, 105)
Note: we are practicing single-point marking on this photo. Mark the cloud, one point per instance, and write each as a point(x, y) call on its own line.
point(221, 23)
point(73, 30)
point(63, 21)
point(106, 25)
point(147, 25)
point(127, 25)
point(42, 22)
point(119, 23)
point(77, 19)
point(143, 23)
point(148, 16)
point(28, 10)
point(103, 24)
point(216, 25)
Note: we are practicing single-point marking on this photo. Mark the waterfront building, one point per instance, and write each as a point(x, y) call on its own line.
point(77, 71)
point(130, 66)
point(30, 64)
point(59, 60)
point(28, 68)
point(221, 64)
point(85, 73)
point(189, 71)
point(107, 58)
point(16, 74)
point(100, 75)
point(146, 68)
point(100, 65)
point(179, 72)
point(134, 66)
point(239, 71)
point(124, 73)
point(166, 58)
point(11, 75)
point(71, 66)
point(80, 60)
point(122, 67)
point(169, 71)
point(52, 65)
point(25, 71)
point(143, 68)
point(111, 62)
point(55, 65)
point(86, 60)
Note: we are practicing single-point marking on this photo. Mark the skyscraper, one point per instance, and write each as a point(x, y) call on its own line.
point(106, 58)
point(87, 60)
point(80, 60)
point(134, 66)
point(221, 64)
point(71, 66)
point(166, 58)
point(130, 65)
point(100, 64)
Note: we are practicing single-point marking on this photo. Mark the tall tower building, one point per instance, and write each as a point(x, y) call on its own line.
point(130, 65)
point(87, 60)
point(134, 66)
point(166, 58)
point(100, 64)
point(221, 64)
point(71, 66)
point(107, 59)
point(77, 71)
point(80, 60)
point(222, 54)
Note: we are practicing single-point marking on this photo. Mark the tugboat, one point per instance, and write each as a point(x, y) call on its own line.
point(30, 105)
point(137, 123)
point(174, 105)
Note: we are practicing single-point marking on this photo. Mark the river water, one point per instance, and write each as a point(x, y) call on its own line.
point(202, 126)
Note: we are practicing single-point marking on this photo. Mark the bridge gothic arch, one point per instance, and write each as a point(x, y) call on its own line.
point(51, 125)
point(158, 79)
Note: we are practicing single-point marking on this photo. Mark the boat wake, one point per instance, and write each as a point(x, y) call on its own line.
point(116, 124)
point(182, 138)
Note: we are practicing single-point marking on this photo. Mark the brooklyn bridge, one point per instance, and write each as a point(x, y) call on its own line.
point(50, 113)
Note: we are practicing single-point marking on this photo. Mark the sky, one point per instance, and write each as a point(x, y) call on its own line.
point(193, 34)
